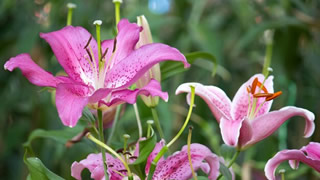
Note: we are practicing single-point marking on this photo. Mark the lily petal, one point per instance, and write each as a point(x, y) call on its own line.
point(68, 45)
point(33, 72)
point(230, 131)
point(93, 163)
point(177, 165)
point(240, 101)
point(153, 154)
point(130, 96)
point(70, 101)
point(313, 150)
point(131, 68)
point(293, 155)
point(266, 124)
point(217, 100)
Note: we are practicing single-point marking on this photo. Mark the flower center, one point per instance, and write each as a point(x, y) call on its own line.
point(253, 107)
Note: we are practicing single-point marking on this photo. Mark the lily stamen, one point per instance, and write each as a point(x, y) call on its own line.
point(274, 95)
point(259, 95)
point(89, 40)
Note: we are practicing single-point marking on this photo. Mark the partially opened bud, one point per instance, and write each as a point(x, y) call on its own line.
point(154, 72)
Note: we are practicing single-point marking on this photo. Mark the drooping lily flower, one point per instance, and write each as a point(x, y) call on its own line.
point(309, 155)
point(152, 73)
point(175, 166)
point(86, 82)
point(247, 120)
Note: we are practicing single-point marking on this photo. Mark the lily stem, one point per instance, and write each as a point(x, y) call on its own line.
point(101, 137)
point(166, 147)
point(235, 156)
point(138, 119)
point(114, 124)
point(70, 6)
point(157, 122)
point(267, 60)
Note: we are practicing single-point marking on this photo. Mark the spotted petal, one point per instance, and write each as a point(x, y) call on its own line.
point(131, 68)
point(177, 165)
point(34, 73)
point(68, 45)
point(293, 155)
point(130, 96)
point(266, 124)
point(70, 101)
point(217, 100)
point(240, 102)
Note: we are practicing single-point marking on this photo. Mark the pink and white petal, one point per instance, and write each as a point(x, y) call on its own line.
point(217, 100)
point(70, 101)
point(312, 150)
point(177, 165)
point(130, 96)
point(127, 38)
point(266, 124)
point(246, 132)
point(153, 154)
point(33, 72)
point(92, 163)
point(230, 131)
point(114, 166)
point(68, 45)
point(131, 68)
point(99, 95)
point(240, 101)
point(296, 155)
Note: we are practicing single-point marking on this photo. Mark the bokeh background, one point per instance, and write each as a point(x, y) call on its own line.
point(231, 30)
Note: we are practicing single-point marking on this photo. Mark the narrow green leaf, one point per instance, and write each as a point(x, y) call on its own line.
point(169, 69)
point(225, 171)
point(201, 178)
point(145, 148)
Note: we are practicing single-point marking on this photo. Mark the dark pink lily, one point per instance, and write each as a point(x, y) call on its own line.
point(175, 166)
point(309, 155)
point(247, 120)
point(88, 84)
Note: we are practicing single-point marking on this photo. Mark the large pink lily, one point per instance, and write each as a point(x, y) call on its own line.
point(86, 82)
point(175, 166)
point(309, 155)
point(247, 120)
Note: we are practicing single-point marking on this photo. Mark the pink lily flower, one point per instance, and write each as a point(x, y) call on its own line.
point(309, 155)
point(88, 84)
point(247, 120)
point(175, 166)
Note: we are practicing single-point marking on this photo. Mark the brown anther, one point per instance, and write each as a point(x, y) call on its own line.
point(274, 95)
point(89, 54)
point(259, 95)
point(120, 151)
point(104, 54)
point(114, 45)
point(85, 47)
point(110, 166)
point(122, 170)
point(127, 153)
point(133, 157)
point(264, 89)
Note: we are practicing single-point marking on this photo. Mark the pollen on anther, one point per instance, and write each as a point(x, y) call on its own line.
point(274, 95)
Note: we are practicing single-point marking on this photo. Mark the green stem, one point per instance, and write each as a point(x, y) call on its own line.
point(166, 147)
point(70, 6)
point(111, 151)
point(157, 122)
point(231, 161)
point(189, 153)
point(267, 60)
point(98, 25)
point(187, 119)
point(114, 124)
point(101, 137)
point(135, 107)
point(117, 11)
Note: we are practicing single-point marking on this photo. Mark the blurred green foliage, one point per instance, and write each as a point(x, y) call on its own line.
point(232, 30)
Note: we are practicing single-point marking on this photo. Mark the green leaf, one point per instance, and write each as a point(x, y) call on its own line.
point(202, 178)
point(145, 148)
point(227, 152)
point(61, 136)
point(87, 115)
point(169, 69)
point(225, 171)
point(38, 170)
